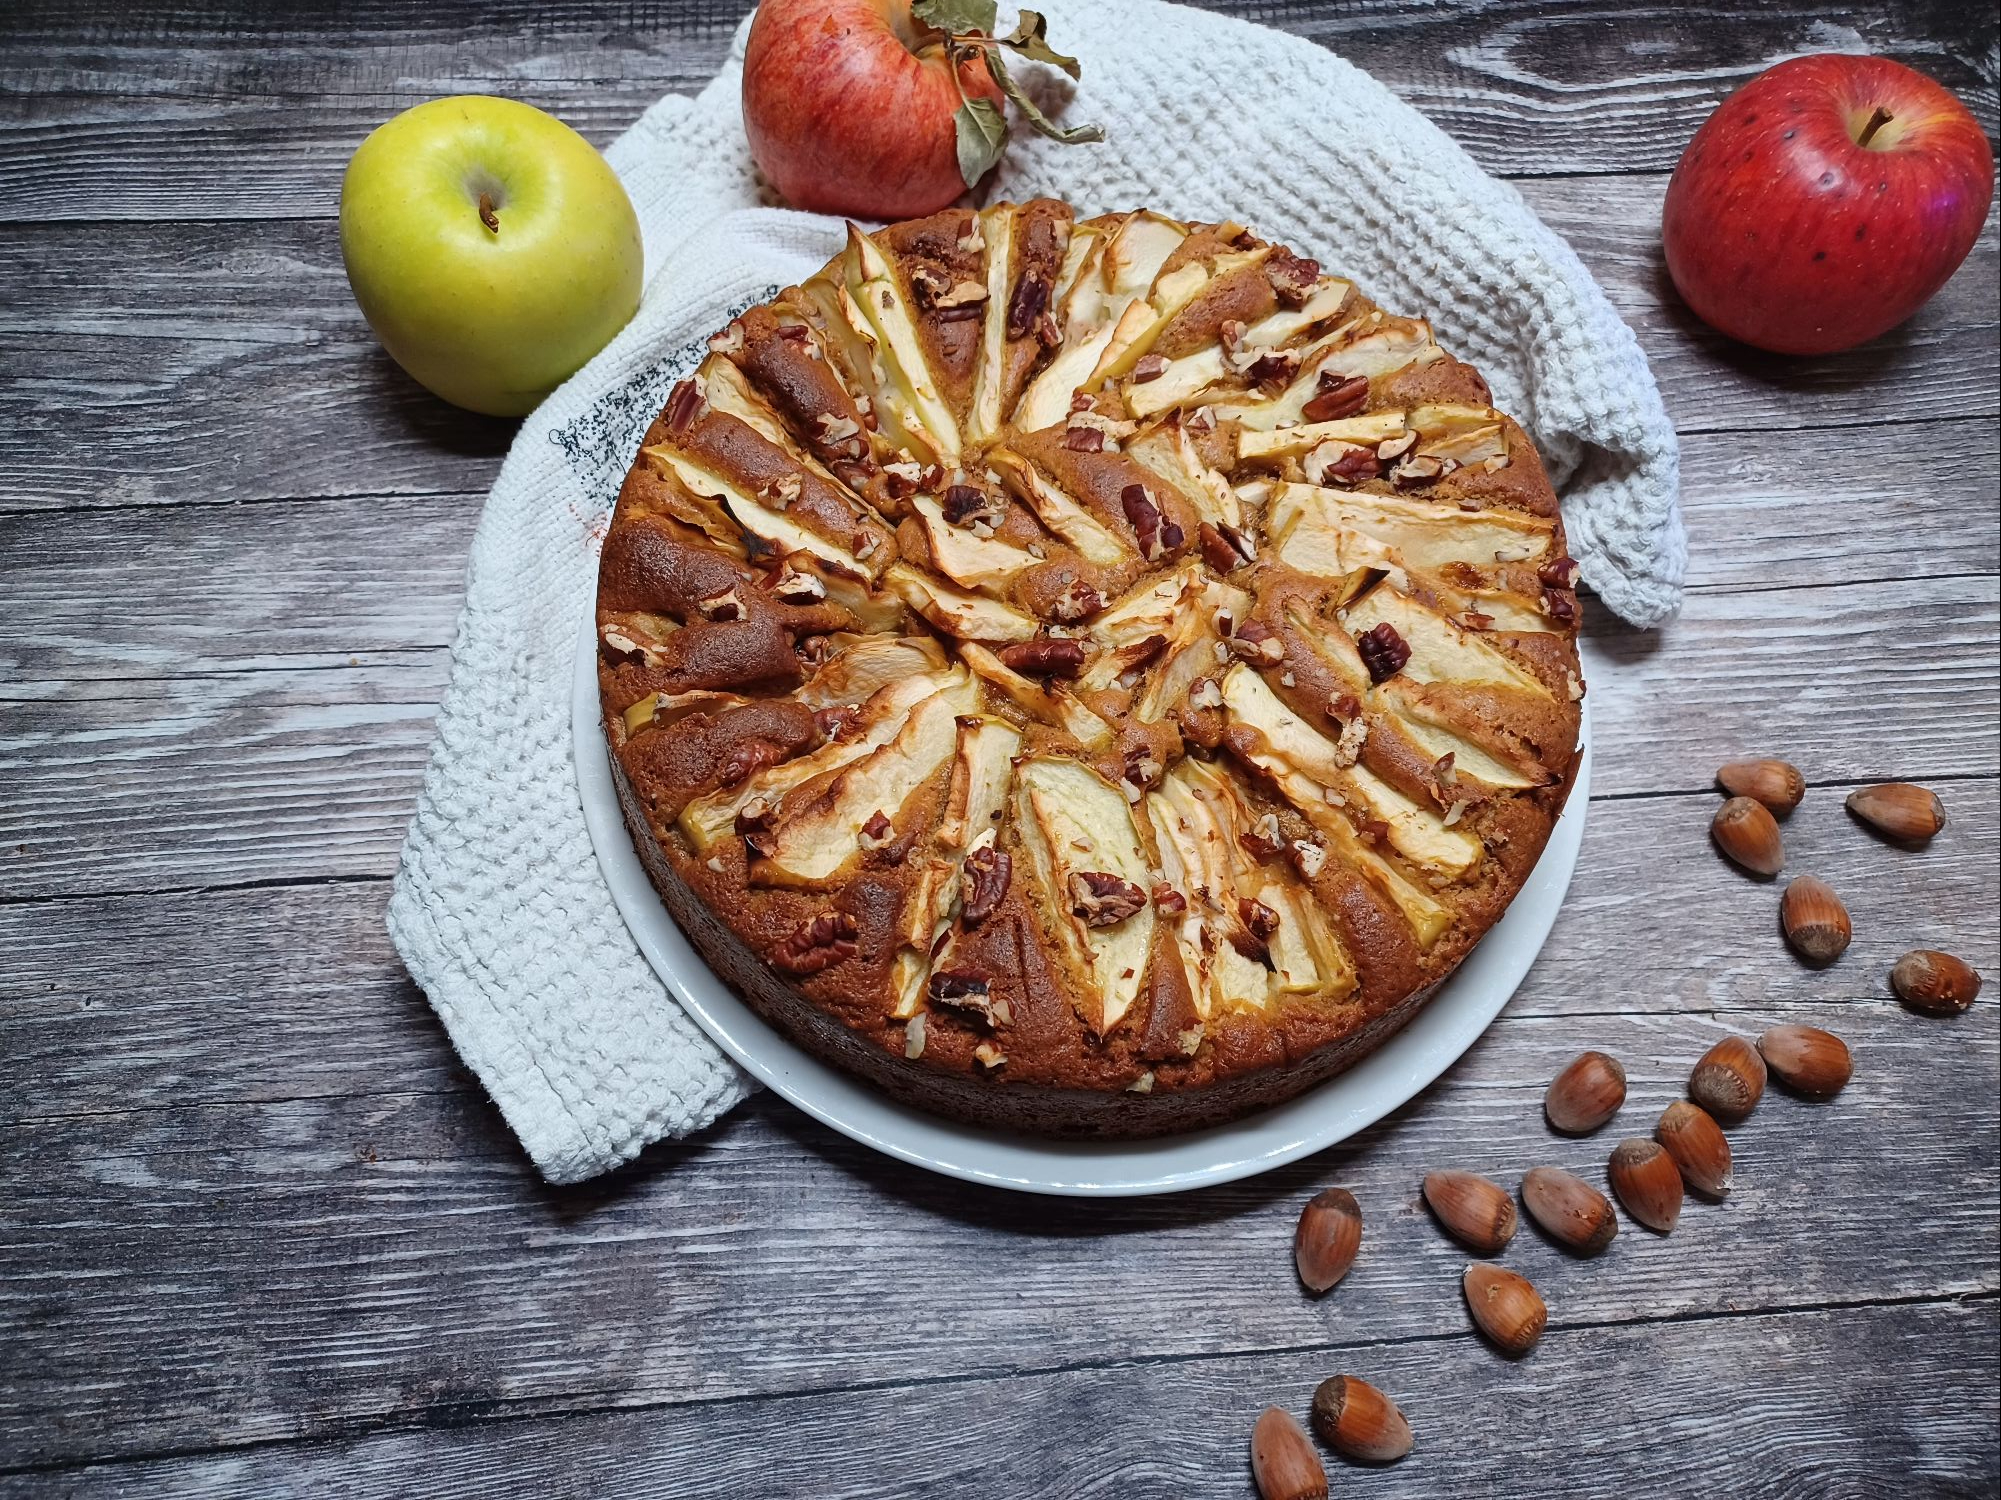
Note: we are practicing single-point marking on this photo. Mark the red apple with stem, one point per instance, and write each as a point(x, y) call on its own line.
point(1825, 202)
point(849, 106)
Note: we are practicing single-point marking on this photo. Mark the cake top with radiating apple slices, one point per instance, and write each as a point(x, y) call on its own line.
point(1099, 655)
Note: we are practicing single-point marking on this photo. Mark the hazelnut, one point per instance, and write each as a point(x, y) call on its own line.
point(1505, 1307)
point(1472, 1210)
point(1814, 920)
point(1729, 1080)
point(1329, 1234)
point(1570, 1210)
point(1283, 1461)
point(1586, 1094)
point(1808, 1060)
point(1359, 1422)
point(1648, 1182)
point(1776, 784)
point(1748, 836)
point(1690, 1134)
point(1936, 983)
point(1898, 810)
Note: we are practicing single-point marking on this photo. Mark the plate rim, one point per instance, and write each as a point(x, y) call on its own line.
point(1444, 1029)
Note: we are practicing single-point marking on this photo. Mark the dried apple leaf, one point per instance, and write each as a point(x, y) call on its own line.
point(1071, 135)
point(982, 137)
point(1030, 38)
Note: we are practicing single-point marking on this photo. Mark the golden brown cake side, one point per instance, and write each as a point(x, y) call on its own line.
point(1090, 677)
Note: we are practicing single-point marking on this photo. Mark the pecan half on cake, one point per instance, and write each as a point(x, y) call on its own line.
point(1086, 676)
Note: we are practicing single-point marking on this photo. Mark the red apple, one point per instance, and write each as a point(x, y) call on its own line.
point(849, 106)
point(1824, 202)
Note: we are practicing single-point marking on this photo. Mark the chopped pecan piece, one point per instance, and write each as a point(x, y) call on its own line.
point(1311, 858)
point(755, 815)
point(1343, 707)
point(1339, 463)
point(1337, 396)
point(1291, 276)
point(1101, 898)
point(780, 492)
point(1558, 572)
point(1028, 310)
point(796, 587)
point(818, 943)
point(903, 477)
point(1560, 606)
point(1396, 447)
point(1384, 652)
point(1167, 899)
point(1265, 838)
point(1259, 918)
point(1157, 535)
point(1418, 469)
point(1081, 439)
point(1272, 368)
point(1045, 656)
point(877, 831)
point(965, 990)
point(983, 882)
point(1077, 601)
point(1216, 549)
point(1203, 693)
point(1149, 367)
point(724, 604)
point(729, 341)
point(837, 721)
point(684, 405)
point(976, 509)
point(745, 758)
point(1256, 643)
point(1143, 769)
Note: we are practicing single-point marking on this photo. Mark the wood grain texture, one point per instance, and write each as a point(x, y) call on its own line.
point(1606, 1410)
point(311, 1259)
point(145, 355)
point(1530, 88)
point(263, 1234)
point(114, 1003)
point(288, 773)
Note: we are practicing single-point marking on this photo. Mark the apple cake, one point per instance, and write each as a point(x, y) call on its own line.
point(1086, 676)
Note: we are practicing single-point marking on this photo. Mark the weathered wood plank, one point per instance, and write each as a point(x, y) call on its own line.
point(1774, 1405)
point(112, 121)
point(1865, 683)
point(269, 775)
point(141, 357)
point(204, 589)
point(244, 1273)
point(307, 772)
point(120, 1002)
point(311, 584)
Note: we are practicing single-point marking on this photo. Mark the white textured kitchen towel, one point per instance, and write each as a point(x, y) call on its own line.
point(499, 909)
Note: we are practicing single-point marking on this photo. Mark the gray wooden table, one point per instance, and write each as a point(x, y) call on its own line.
point(260, 1233)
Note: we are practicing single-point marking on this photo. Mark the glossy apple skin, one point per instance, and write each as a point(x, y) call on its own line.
point(1784, 232)
point(848, 105)
point(491, 320)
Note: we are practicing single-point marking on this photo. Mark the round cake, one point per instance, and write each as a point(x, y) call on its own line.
point(1086, 676)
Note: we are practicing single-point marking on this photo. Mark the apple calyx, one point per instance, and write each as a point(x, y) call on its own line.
point(1877, 121)
point(981, 125)
point(486, 214)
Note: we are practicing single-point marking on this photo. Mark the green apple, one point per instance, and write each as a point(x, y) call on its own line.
point(490, 247)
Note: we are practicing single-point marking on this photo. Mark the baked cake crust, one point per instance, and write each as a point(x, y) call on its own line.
point(1086, 676)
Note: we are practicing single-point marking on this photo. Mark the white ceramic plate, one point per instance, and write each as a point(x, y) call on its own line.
point(1395, 1072)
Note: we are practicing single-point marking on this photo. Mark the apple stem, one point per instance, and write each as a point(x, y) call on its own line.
point(1876, 122)
point(486, 214)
